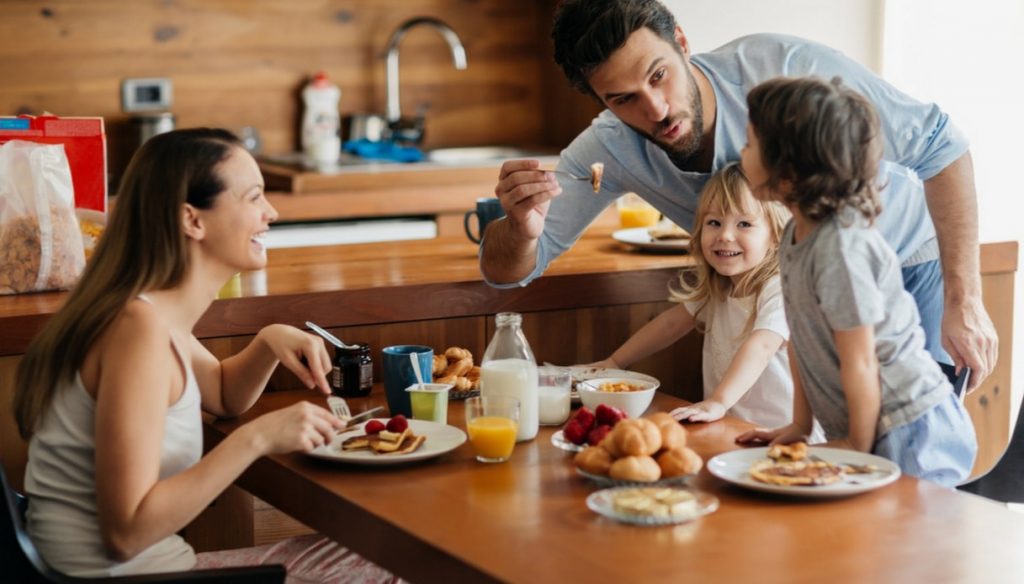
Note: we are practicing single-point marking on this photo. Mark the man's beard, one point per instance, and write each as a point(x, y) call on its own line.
point(683, 152)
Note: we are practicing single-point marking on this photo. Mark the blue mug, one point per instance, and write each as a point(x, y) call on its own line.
point(487, 209)
point(398, 374)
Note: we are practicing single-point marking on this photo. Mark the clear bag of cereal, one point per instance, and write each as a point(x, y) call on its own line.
point(40, 241)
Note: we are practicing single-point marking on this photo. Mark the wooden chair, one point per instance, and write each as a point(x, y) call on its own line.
point(20, 560)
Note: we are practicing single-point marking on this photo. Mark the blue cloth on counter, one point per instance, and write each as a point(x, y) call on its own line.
point(383, 151)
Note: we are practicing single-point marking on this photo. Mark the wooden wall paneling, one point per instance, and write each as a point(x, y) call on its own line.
point(439, 334)
point(595, 333)
point(567, 112)
point(237, 64)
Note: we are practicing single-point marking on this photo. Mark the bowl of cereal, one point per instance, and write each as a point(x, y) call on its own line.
point(628, 394)
point(91, 224)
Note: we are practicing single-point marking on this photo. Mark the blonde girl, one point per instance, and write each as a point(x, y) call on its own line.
point(109, 393)
point(733, 295)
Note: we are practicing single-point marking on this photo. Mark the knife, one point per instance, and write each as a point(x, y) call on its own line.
point(360, 418)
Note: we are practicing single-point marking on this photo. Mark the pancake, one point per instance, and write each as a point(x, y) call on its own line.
point(796, 474)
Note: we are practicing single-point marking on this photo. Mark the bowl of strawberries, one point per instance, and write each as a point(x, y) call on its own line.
point(587, 427)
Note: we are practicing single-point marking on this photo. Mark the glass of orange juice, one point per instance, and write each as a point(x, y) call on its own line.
point(636, 212)
point(492, 423)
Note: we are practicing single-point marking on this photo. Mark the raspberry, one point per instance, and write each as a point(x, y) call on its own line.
point(373, 427)
point(397, 424)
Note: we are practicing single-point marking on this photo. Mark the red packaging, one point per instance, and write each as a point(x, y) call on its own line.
point(85, 144)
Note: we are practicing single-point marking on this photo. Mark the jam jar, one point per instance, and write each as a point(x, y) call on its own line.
point(352, 375)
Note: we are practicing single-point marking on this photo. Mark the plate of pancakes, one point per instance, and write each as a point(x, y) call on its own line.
point(806, 471)
point(651, 239)
point(422, 440)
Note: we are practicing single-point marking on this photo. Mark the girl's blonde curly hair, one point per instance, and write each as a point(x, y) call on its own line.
point(727, 192)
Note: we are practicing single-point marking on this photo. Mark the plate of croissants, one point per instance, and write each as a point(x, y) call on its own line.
point(455, 366)
point(648, 451)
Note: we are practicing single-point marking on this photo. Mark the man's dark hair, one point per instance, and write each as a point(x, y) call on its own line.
point(586, 33)
point(822, 137)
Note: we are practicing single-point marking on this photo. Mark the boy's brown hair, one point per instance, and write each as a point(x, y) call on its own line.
point(821, 137)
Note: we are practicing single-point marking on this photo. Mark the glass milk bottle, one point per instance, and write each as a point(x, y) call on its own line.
point(508, 368)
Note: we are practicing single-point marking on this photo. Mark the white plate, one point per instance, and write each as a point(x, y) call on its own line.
point(606, 481)
point(601, 502)
point(734, 467)
point(641, 238)
point(441, 438)
point(558, 439)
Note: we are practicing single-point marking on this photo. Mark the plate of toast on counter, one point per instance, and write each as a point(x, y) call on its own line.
point(662, 238)
point(419, 440)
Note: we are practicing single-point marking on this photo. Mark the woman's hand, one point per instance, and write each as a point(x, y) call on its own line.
point(704, 411)
point(302, 353)
point(608, 363)
point(300, 427)
point(784, 435)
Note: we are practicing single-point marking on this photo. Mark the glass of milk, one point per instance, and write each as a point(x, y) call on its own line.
point(553, 387)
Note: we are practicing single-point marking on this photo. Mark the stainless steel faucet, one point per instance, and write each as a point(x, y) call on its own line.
point(394, 107)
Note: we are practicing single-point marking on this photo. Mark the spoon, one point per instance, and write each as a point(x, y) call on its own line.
point(414, 357)
point(330, 338)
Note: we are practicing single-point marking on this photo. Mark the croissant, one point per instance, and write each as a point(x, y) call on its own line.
point(458, 368)
point(594, 460)
point(635, 468)
point(440, 364)
point(458, 353)
point(673, 435)
point(674, 463)
point(639, 437)
point(462, 384)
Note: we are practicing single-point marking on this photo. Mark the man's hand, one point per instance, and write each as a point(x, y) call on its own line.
point(970, 339)
point(525, 193)
point(509, 249)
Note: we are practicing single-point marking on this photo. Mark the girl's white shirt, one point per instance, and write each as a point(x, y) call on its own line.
point(769, 402)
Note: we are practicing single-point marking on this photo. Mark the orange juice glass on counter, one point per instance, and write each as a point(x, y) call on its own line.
point(636, 212)
point(492, 423)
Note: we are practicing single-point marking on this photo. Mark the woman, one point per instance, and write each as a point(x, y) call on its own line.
point(109, 393)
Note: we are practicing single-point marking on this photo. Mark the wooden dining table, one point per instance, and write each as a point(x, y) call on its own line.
point(453, 519)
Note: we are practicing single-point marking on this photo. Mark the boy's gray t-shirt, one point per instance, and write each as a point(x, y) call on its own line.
point(841, 276)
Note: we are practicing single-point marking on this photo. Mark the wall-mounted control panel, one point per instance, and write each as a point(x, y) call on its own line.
point(141, 95)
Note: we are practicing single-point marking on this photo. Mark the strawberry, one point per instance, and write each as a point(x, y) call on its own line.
point(585, 418)
point(397, 424)
point(597, 434)
point(608, 415)
point(373, 427)
point(575, 433)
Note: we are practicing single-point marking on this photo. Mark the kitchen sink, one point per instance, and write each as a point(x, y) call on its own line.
point(443, 157)
point(483, 154)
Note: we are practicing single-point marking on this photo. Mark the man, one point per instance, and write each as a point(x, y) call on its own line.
point(673, 118)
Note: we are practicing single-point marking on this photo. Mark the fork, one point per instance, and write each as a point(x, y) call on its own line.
point(339, 407)
point(571, 175)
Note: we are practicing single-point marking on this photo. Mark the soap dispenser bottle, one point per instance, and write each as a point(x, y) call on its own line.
point(321, 122)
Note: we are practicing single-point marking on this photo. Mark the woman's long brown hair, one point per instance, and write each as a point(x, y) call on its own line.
point(142, 248)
